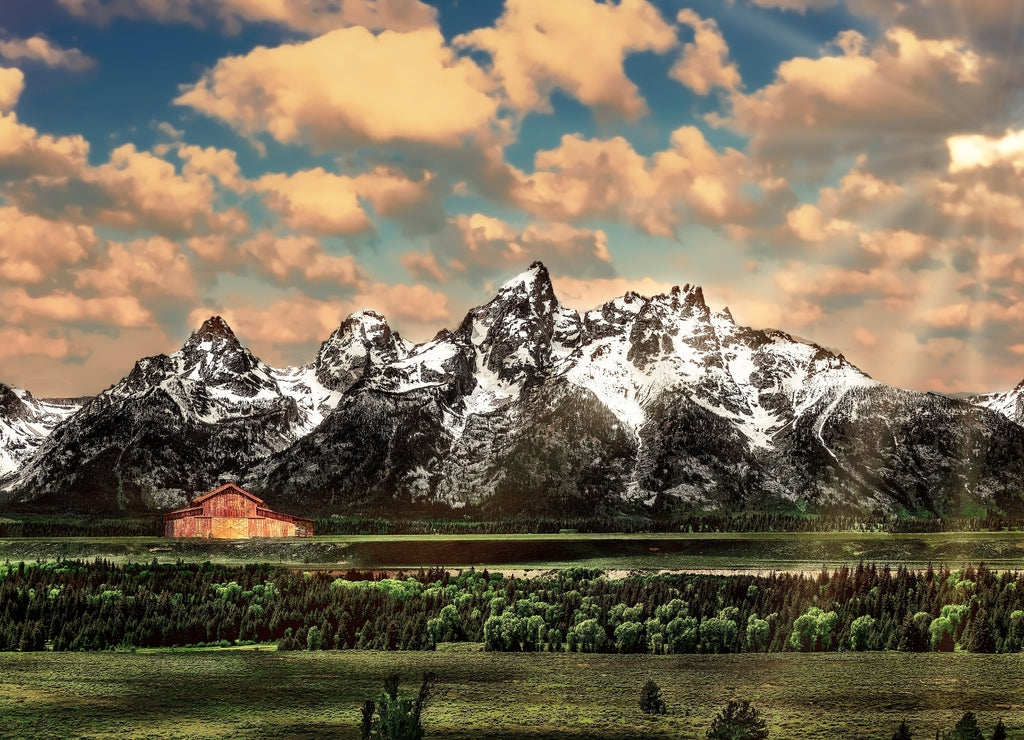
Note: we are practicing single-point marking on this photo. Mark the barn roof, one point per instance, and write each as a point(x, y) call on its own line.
point(226, 488)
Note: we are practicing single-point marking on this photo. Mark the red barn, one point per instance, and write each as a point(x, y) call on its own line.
point(232, 513)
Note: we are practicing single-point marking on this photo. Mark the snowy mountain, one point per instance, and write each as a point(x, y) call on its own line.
point(25, 422)
point(529, 407)
point(1010, 403)
point(173, 426)
point(532, 407)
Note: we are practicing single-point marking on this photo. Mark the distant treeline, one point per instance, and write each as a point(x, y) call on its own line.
point(74, 605)
point(53, 525)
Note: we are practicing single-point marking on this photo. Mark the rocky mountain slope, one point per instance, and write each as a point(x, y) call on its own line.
point(1010, 403)
point(25, 422)
point(529, 407)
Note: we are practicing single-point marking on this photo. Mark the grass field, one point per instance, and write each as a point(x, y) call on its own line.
point(257, 694)
point(611, 552)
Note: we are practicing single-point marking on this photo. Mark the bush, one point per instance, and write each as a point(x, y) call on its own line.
point(650, 699)
point(738, 721)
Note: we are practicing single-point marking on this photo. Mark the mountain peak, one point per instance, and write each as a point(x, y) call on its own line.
point(535, 281)
point(214, 328)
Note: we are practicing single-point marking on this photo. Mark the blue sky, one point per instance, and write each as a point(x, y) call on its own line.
point(845, 170)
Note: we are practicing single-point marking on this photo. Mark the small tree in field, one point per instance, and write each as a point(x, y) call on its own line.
point(967, 728)
point(738, 721)
point(397, 718)
point(999, 731)
point(902, 732)
point(650, 699)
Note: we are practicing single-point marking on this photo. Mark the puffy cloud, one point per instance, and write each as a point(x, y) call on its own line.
point(143, 267)
point(219, 163)
point(39, 49)
point(25, 152)
point(309, 16)
point(480, 245)
point(993, 25)
point(584, 295)
point(324, 203)
point(865, 337)
point(899, 246)
point(835, 286)
point(704, 64)
point(410, 87)
point(797, 6)
point(121, 311)
point(31, 247)
point(896, 102)
point(285, 257)
point(595, 178)
point(304, 321)
point(18, 342)
point(423, 266)
point(12, 82)
point(809, 224)
point(976, 151)
point(578, 46)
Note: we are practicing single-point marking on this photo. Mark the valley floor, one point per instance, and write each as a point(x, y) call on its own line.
point(747, 552)
point(250, 693)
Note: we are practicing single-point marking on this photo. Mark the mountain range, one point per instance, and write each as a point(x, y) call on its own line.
point(526, 408)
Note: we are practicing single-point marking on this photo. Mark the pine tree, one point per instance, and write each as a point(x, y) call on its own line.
point(651, 701)
point(967, 728)
point(738, 721)
point(999, 732)
point(902, 732)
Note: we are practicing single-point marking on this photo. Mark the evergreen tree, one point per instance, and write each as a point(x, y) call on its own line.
point(397, 718)
point(902, 732)
point(650, 699)
point(737, 720)
point(999, 731)
point(966, 728)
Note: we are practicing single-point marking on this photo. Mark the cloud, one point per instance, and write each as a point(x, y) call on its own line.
point(608, 179)
point(321, 202)
point(865, 337)
point(478, 245)
point(796, 6)
point(308, 16)
point(25, 152)
point(283, 258)
point(140, 268)
point(12, 82)
point(977, 151)
point(809, 224)
point(304, 321)
point(704, 64)
point(120, 311)
point(348, 88)
point(39, 49)
point(17, 342)
point(585, 294)
point(895, 102)
point(219, 163)
point(993, 25)
point(578, 46)
point(133, 190)
point(34, 247)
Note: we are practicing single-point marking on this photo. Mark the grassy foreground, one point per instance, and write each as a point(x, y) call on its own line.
point(771, 550)
point(260, 694)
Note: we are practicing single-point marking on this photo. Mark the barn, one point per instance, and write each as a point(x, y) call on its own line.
point(232, 513)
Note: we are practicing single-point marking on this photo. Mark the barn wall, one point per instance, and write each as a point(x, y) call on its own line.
point(230, 505)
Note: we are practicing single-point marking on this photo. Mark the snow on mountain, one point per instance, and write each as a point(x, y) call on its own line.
point(1009, 403)
point(530, 407)
point(25, 422)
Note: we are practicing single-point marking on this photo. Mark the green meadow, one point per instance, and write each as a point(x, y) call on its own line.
point(248, 693)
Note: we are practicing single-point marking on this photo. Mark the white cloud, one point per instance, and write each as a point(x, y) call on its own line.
point(704, 64)
point(39, 49)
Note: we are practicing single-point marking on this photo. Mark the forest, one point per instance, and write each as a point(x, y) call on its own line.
point(72, 605)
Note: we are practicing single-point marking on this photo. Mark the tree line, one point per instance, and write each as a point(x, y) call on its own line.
point(98, 605)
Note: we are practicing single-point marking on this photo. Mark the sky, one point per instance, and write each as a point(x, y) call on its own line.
point(849, 171)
